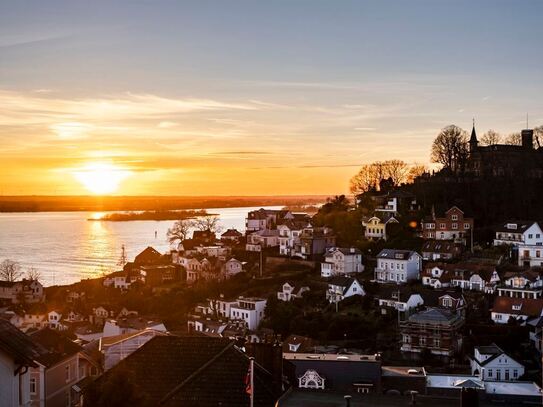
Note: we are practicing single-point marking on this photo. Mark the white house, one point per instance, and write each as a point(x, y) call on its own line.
point(250, 310)
point(376, 227)
point(475, 277)
point(262, 239)
point(341, 261)
point(493, 364)
point(437, 275)
point(124, 326)
point(288, 292)
point(17, 354)
point(116, 348)
point(340, 288)
point(526, 284)
point(516, 233)
point(397, 266)
point(232, 267)
point(54, 320)
point(399, 300)
point(289, 236)
point(520, 309)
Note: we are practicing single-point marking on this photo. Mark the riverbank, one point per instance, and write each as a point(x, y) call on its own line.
point(147, 203)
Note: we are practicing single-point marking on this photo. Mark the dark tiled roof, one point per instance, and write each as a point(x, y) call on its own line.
point(522, 225)
point(434, 316)
point(148, 255)
point(232, 233)
point(529, 307)
point(341, 281)
point(441, 246)
point(193, 371)
point(57, 346)
point(18, 345)
point(395, 254)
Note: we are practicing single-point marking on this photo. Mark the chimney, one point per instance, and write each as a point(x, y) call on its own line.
point(527, 139)
point(352, 249)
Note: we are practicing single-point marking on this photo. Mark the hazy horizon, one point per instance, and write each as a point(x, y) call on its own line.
point(197, 98)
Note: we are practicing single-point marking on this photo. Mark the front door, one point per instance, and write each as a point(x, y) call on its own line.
point(498, 375)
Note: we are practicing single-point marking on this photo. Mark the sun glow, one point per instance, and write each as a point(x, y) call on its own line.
point(101, 178)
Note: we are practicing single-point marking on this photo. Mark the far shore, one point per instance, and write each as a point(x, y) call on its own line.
point(148, 203)
point(153, 215)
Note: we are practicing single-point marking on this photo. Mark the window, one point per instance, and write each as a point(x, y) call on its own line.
point(466, 225)
point(67, 371)
point(489, 372)
point(530, 236)
point(515, 373)
point(455, 225)
point(537, 253)
point(442, 226)
point(406, 339)
point(498, 316)
point(454, 217)
point(422, 341)
point(437, 342)
point(32, 385)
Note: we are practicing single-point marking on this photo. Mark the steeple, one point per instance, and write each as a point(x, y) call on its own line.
point(473, 142)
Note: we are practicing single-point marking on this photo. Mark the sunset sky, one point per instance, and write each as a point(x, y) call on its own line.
point(251, 97)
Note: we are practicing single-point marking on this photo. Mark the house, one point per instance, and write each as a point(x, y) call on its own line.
point(262, 219)
point(536, 332)
point(437, 275)
point(519, 309)
point(289, 236)
point(397, 266)
point(219, 252)
point(116, 348)
point(13, 292)
point(314, 241)
point(264, 238)
point(392, 298)
point(148, 256)
point(177, 370)
point(395, 202)
point(435, 330)
point(453, 226)
point(340, 372)
point(298, 344)
point(205, 237)
point(515, 233)
point(445, 299)
point(249, 310)
point(475, 277)
point(57, 370)
point(492, 363)
point(376, 226)
point(530, 253)
point(128, 325)
point(340, 288)
point(18, 354)
point(341, 261)
point(232, 267)
point(524, 284)
point(288, 292)
point(231, 236)
point(123, 279)
point(434, 249)
point(54, 320)
point(158, 274)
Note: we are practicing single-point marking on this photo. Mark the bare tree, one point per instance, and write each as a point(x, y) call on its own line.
point(416, 170)
point(491, 138)
point(180, 230)
point(364, 180)
point(33, 274)
point(450, 148)
point(513, 139)
point(538, 136)
point(10, 270)
point(210, 223)
point(396, 170)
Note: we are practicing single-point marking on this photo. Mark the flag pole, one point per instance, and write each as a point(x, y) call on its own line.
point(252, 365)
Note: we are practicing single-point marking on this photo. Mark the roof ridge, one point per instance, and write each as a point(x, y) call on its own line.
point(196, 373)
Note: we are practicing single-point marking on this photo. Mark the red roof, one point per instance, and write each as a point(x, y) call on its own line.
point(529, 307)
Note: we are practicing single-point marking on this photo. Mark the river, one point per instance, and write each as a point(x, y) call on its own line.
point(65, 247)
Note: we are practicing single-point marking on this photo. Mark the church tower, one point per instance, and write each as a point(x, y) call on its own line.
point(473, 142)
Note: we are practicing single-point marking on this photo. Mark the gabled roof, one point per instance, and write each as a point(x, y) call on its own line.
point(395, 254)
point(341, 281)
point(232, 233)
point(148, 255)
point(527, 306)
point(57, 346)
point(192, 371)
point(522, 226)
point(441, 246)
point(434, 316)
point(18, 345)
point(348, 251)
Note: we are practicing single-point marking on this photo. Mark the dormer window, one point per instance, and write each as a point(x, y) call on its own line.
point(454, 217)
point(517, 307)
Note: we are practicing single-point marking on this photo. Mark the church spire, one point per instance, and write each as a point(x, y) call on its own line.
point(473, 142)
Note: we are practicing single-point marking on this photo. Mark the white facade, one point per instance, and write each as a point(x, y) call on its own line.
point(250, 310)
point(495, 366)
point(289, 237)
point(398, 266)
point(516, 234)
point(341, 261)
point(338, 291)
point(414, 301)
point(232, 267)
point(435, 278)
point(476, 282)
point(14, 388)
point(289, 292)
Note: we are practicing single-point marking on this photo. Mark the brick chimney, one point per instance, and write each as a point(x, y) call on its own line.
point(527, 139)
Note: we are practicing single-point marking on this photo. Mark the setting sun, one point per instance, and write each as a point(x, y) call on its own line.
point(101, 178)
